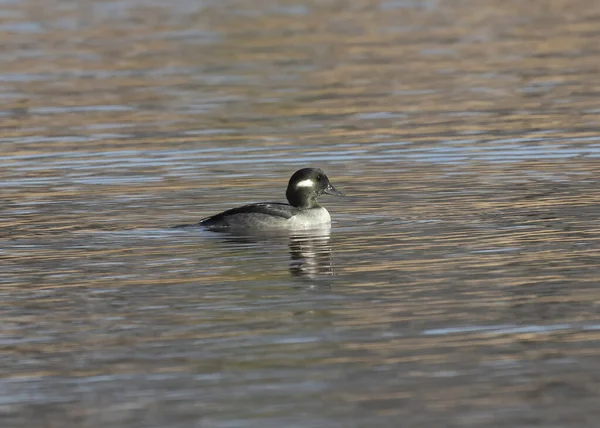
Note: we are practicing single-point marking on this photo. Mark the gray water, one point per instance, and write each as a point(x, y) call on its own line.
point(458, 285)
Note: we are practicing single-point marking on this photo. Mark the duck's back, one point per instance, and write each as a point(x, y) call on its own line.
point(253, 216)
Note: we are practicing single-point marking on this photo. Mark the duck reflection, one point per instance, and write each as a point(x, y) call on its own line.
point(310, 253)
point(310, 249)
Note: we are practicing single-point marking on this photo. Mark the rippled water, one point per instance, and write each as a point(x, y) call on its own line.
point(457, 287)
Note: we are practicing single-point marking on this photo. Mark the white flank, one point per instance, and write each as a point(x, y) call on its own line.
point(306, 183)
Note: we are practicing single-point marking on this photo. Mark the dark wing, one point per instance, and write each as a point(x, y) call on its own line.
point(272, 209)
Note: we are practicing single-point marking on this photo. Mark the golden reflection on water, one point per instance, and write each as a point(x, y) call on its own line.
point(458, 283)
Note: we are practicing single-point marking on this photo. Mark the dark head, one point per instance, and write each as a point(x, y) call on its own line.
point(306, 185)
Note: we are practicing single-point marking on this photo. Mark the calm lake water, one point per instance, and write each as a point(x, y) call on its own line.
point(457, 287)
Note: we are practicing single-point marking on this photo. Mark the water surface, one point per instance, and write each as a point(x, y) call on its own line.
point(458, 283)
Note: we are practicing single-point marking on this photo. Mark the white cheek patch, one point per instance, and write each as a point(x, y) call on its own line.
point(306, 183)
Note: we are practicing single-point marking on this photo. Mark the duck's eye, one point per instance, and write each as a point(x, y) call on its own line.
point(319, 177)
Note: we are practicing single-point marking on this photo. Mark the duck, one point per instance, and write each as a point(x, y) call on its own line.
point(302, 211)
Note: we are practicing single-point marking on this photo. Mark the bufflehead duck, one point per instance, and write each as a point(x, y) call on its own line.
point(302, 212)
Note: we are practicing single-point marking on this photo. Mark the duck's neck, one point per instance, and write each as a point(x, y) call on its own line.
point(301, 201)
point(312, 203)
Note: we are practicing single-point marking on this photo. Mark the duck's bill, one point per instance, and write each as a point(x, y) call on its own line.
point(330, 190)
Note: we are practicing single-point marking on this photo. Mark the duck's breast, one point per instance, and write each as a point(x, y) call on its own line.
point(312, 217)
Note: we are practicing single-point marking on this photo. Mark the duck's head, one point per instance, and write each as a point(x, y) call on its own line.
point(306, 185)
